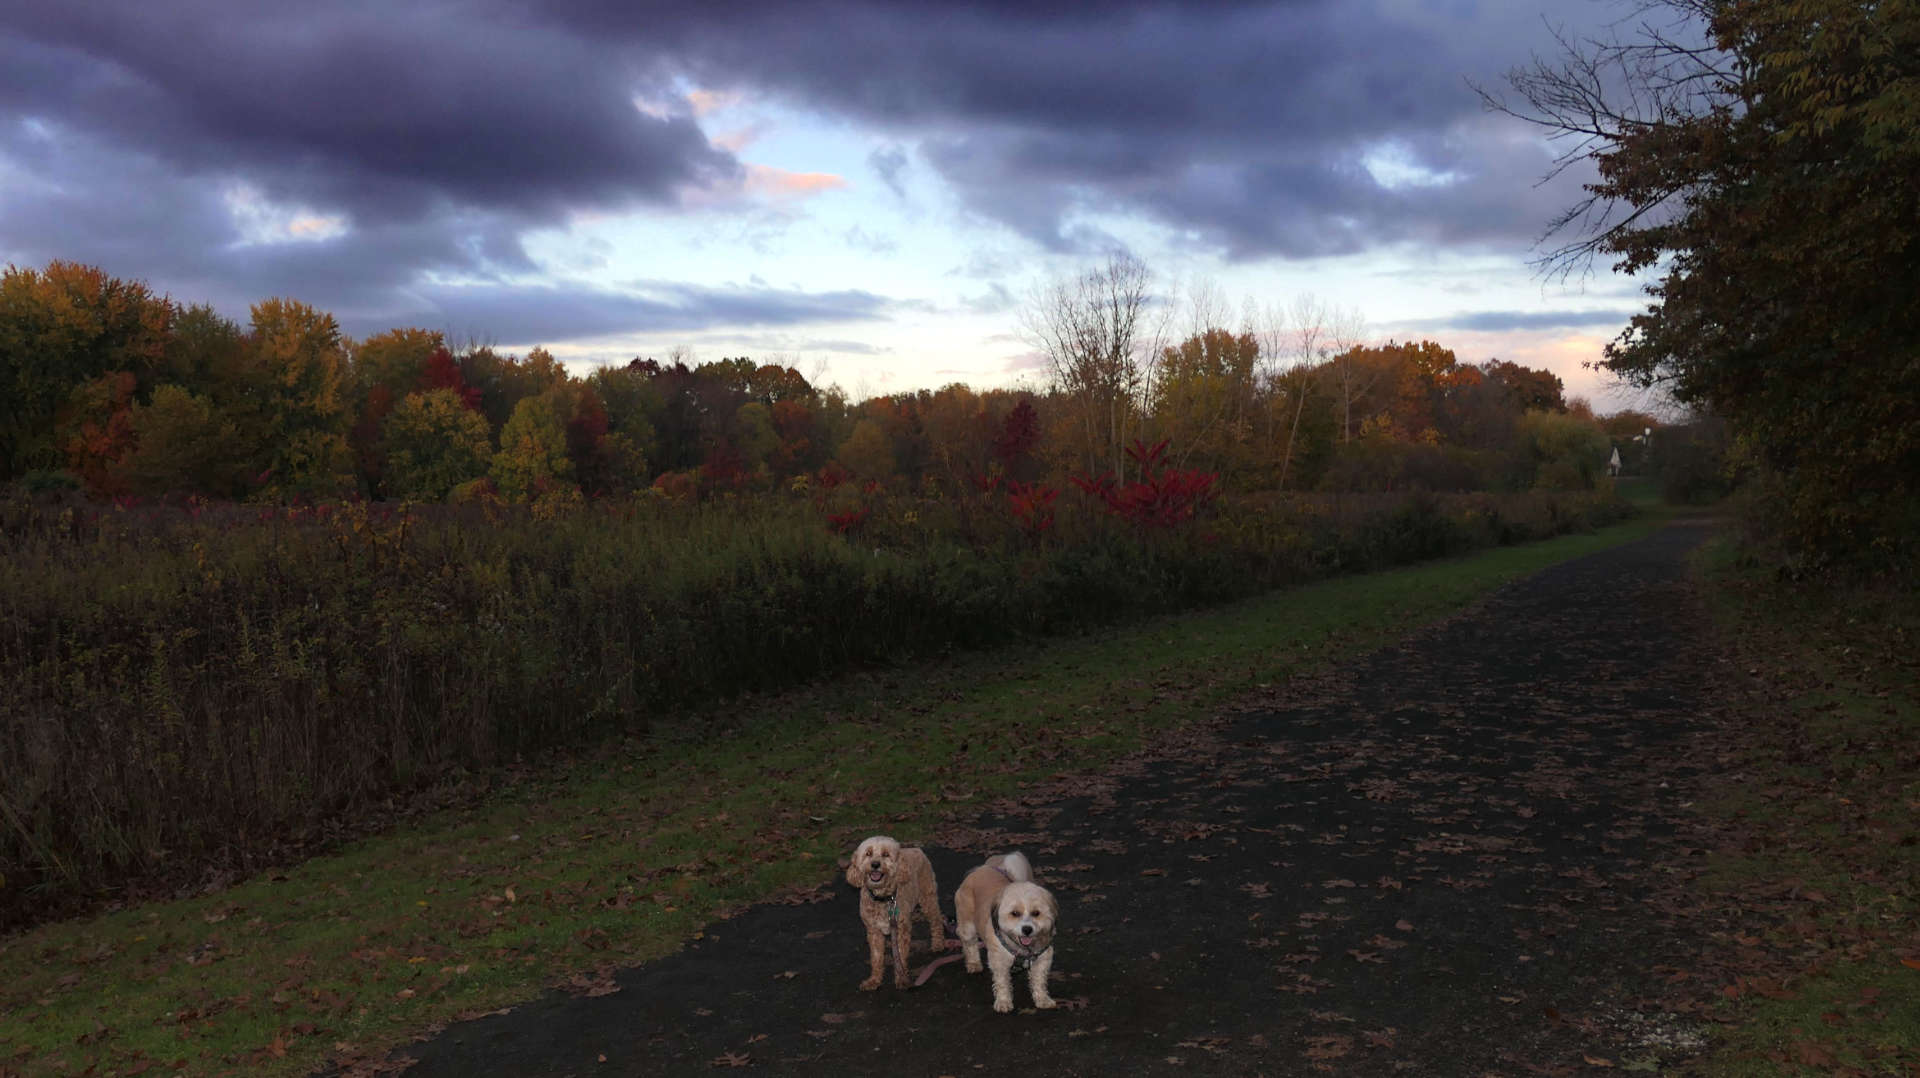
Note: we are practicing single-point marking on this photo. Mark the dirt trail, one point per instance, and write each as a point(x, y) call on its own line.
point(1438, 859)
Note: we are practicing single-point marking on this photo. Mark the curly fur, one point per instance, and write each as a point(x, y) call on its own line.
point(1003, 891)
point(895, 883)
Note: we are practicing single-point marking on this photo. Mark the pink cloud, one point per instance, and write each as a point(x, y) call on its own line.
point(778, 183)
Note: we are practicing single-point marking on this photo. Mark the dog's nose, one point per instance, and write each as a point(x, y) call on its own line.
point(1026, 930)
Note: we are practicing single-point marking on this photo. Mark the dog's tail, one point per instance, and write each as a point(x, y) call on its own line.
point(1016, 867)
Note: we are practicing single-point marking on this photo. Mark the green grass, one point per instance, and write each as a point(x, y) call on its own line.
point(1823, 810)
point(591, 864)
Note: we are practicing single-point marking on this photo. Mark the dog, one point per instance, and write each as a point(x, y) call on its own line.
point(895, 883)
point(1001, 912)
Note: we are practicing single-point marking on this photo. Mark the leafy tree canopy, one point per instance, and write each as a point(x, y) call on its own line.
point(1759, 156)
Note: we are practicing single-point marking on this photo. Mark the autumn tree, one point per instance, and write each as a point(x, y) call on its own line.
point(868, 452)
point(1758, 156)
point(434, 443)
point(630, 400)
point(505, 381)
point(533, 449)
point(386, 367)
point(206, 353)
point(397, 359)
point(755, 437)
point(61, 327)
point(1203, 398)
point(95, 430)
point(299, 397)
point(184, 443)
point(800, 447)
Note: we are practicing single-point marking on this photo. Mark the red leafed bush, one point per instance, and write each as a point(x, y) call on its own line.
point(1032, 505)
point(832, 475)
point(1161, 498)
point(850, 521)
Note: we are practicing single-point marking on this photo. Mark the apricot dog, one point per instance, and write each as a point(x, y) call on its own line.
point(895, 883)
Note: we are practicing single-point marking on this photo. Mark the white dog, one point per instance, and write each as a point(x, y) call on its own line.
point(1003, 913)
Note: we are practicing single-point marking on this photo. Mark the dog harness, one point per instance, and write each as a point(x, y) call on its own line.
point(1022, 957)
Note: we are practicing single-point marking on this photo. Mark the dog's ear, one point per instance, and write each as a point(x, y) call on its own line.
point(855, 876)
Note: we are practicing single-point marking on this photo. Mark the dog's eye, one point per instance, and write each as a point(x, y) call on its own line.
point(1015, 912)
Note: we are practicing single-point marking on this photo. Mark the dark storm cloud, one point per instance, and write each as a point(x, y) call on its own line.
point(438, 134)
point(528, 314)
point(381, 110)
point(427, 141)
point(1244, 126)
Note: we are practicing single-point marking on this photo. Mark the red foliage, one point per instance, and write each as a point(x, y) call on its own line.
point(443, 372)
point(849, 521)
point(832, 475)
point(1018, 435)
point(723, 469)
point(1032, 506)
point(1161, 497)
point(103, 438)
point(584, 433)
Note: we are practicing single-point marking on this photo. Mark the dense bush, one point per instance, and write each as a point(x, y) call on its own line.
point(215, 681)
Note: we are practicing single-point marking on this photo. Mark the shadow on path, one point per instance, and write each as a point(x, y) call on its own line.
point(1430, 861)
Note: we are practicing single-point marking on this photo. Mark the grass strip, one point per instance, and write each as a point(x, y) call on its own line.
point(1820, 851)
point(622, 855)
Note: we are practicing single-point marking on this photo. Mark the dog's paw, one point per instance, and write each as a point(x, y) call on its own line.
point(1003, 1006)
point(1045, 1003)
point(869, 984)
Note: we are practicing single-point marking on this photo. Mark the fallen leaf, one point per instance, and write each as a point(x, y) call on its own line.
point(1597, 1061)
point(730, 1059)
point(1379, 1038)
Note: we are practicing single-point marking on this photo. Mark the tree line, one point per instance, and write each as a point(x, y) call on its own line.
point(125, 393)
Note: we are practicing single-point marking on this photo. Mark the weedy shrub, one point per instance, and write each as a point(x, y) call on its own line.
point(205, 687)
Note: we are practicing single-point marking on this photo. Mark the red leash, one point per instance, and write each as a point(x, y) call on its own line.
point(927, 970)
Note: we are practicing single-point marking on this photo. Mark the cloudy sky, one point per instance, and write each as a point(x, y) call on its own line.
point(867, 189)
